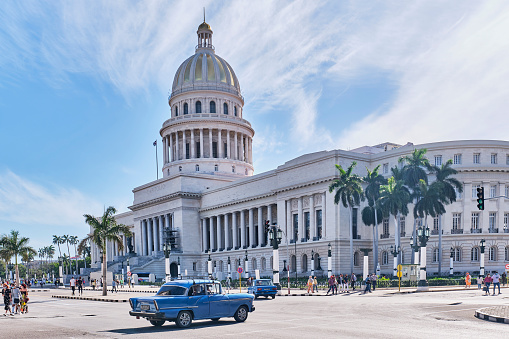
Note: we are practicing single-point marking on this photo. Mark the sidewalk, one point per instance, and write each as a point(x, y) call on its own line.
point(499, 314)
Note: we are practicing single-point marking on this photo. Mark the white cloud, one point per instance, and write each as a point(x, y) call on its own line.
point(27, 203)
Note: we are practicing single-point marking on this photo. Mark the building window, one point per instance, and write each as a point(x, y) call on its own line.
point(216, 168)
point(319, 223)
point(493, 253)
point(402, 226)
point(212, 107)
point(385, 227)
point(507, 159)
point(187, 150)
point(435, 223)
point(435, 254)
point(225, 108)
point(307, 224)
point(456, 254)
point(176, 111)
point(457, 193)
point(506, 221)
point(295, 227)
point(402, 257)
point(304, 266)
point(477, 158)
point(198, 107)
point(197, 168)
point(235, 110)
point(194, 266)
point(225, 150)
point(214, 149)
point(293, 264)
point(456, 221)
point(475, 220)
point(474, 191)
point(438, 160)
point(264, 264)
point(385, 168)
point(507, 191)
point(507, 253)
point(356, 259)
point(492, 220)
point(385, 258)
point(493, 191)
point(474, 254)
point(494, 158)
point(198, 153)
point(186, 108)
point(233, 169)
point(457, 159)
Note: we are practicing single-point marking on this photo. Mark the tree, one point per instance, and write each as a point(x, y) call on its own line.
point(73, 239)
point(66, 238)
point(103, 230)
point(372, 214)
point(394, 200)
point(349, 192)
point(14, 245)
point(448, 187)
point(57, 241)
point(430, 202)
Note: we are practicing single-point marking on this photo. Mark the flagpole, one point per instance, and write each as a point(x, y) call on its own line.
point(157, 163)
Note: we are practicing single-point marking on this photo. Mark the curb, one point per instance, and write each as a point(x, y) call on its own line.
point(90, 299)
point(483, 316)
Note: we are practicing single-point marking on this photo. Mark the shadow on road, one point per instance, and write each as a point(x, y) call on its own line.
point(170, 326)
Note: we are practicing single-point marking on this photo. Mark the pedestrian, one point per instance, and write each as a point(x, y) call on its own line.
point(72, 283)
point(373, 281)
point(6, 293)
point(468, 280)
point(113, 286)
point(315, 285)
point(129, 282)
point(122, 282)
point(80, 286)
point(487, 283)
point(228, 283)
point(367, 281)
point(352, 281)
point(24, 298)
point(346, 282)
point(331, 284)
point(479, 282)
point(16, 295)
point(496, 282)
point(504, 278)
point(93, 284)
point(310, 283)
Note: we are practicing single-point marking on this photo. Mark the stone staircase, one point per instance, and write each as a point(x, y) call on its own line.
point(156, 266)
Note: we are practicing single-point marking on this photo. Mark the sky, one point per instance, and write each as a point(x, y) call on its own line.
point(84, 88)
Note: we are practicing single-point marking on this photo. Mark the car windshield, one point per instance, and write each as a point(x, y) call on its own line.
point(263, 283)
point(171, 290)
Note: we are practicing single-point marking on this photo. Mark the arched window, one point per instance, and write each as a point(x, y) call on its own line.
point(304, 263)
point(216, 168)
point(457, 254)
point(176, 111)
point(493, 253)
point(198, 107)
point(271, 261)
point(385, 258)
point(197, 168)
point(293, 263)
point(264, 264)
point(507, 253)
point(186, 108)
point(253, 263)
point(435, 254)
point(316, 261)
point(356, 259)
point(225, 108)
point(212, 107)
point(235, 110)
point(220, 267)
point(474, 254)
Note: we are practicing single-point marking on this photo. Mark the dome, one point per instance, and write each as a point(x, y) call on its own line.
point(205, 71)
point(204, 25)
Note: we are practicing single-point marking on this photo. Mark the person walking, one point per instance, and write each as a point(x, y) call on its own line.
point(113, 286)
point(6, 293)
point(24, 298)
point(310, 283)
point(331, 284)
point(16, 295)
point(479, 282)
point(352, 281)
point(487, 283)
point(72, 283)
point(367, 281)
point(496, 282)
point(504, 278)
point(468, 280)
point(315, 285)
point(346, 282)
point(373, 281)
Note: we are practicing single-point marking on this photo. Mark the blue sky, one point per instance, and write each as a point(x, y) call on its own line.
point(84, 86)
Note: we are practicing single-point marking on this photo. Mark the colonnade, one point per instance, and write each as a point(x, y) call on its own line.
point(303, 216)
point(234, 109)
point(207, 143)
point(152, 233)
point(238, 229)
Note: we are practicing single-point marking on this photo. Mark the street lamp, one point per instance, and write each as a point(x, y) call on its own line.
point(246, 265)
point(423, 236)
point(395, 252)
point(275, 236)
point(229, 272)
point(329, 261)
point(128, 272)
point(312, 263)
point(415, 249)
point(451, 262)
point(209, 265)
point(178, 268)
point(167, 252)
point(481, 271)
point(365, 268)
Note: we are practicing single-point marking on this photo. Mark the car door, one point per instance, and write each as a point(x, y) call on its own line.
point(199, 302)
point(219, 302)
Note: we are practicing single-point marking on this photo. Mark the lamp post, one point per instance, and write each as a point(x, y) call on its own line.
point(481, 271)
point(451, 262)
point(123, 277)
point(246, 265)
point(295, 242)
point(229, 271)
point(395, 252)
point(166, 249)
point(415, 250)
point(215, 270)
point(312, 263)
point(365, 268)
point(209, 265)
point(275, 236)
point(128, 272)
point(329, 261)
point(178, 268)
point(423, 236)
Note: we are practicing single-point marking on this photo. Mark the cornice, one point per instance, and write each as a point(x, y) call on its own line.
point(156, 201)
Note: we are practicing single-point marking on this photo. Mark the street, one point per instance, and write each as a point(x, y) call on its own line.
point(382, 314)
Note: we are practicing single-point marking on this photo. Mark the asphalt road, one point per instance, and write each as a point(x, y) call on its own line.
point(381, 314)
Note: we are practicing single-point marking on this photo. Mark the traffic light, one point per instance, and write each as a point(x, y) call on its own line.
point(267, 226)
point(480, 198)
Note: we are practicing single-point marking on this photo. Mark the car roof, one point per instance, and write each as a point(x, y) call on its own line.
point(188, 282)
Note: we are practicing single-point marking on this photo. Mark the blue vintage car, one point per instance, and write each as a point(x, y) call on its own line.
point(183, 301)
point(262, 288)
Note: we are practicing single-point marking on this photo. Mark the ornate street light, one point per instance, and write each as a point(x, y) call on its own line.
point(415, 249)
point(209, 265)
point(481, 271)
point(423, 236)
point(246, 265)
point(395, 252)
point(178, 268)
point(167, 252)
point(275, 236)
point(329, 261)
point(229, 271)
point(451, 262)
point(312, 263)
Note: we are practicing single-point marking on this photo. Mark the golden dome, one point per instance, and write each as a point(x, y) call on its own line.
point(204, 25)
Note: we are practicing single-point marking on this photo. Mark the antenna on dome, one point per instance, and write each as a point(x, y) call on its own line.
point(203, 14)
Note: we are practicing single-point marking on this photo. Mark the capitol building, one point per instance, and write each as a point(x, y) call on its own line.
point(215, 205)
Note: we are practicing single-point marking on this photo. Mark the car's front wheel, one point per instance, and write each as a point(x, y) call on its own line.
point(215, 319)
point(157, 322)
point(241, 314)
point(184, 319)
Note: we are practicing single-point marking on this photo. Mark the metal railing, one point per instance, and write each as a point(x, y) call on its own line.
point(457, 231)
point(493, 230)
point(476, 230)
point(384, 236)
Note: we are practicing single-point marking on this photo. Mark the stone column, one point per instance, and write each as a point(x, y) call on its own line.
point(163, 219)
point(204, 234)
point(177, 148)
point(252, 242)
point(219, 144)
point(324, 216)
point(261, 226)
point(312, 224)
point(236, 151)
point(228, 147)
point(226, 232)
point(289, 220)
point(210, 142)
point(201, 143)
point(269, 218)
point(171, 154)
point(164, 151)
point(192, 145)
point(302, 233)
point(145, 237)
point(242, 230)
point(234, 231)
point(219, 233)
point(184, 153)
point(211, 230)
point(150, 232)
point(242, 153)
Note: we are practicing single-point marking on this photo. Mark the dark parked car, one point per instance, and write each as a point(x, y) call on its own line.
point(183, 301)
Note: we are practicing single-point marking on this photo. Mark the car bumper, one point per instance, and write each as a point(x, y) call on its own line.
point(151, 315)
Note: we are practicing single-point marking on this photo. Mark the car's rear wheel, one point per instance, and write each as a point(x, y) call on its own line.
point(184, 319)
point(274, 296)
point(157, 322)
point(241, 314)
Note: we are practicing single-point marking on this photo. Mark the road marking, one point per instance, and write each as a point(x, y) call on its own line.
point(463, 309)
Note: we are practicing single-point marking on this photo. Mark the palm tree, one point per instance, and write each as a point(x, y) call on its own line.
point(104, 229)
point(66, 238)
point(27, 257)
point(349, 192)
point(57, 241)
point(448, 187)
point(371, 214)
point(394, 200)
point(14, 245)
point(430, 202)
point(73, 239)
